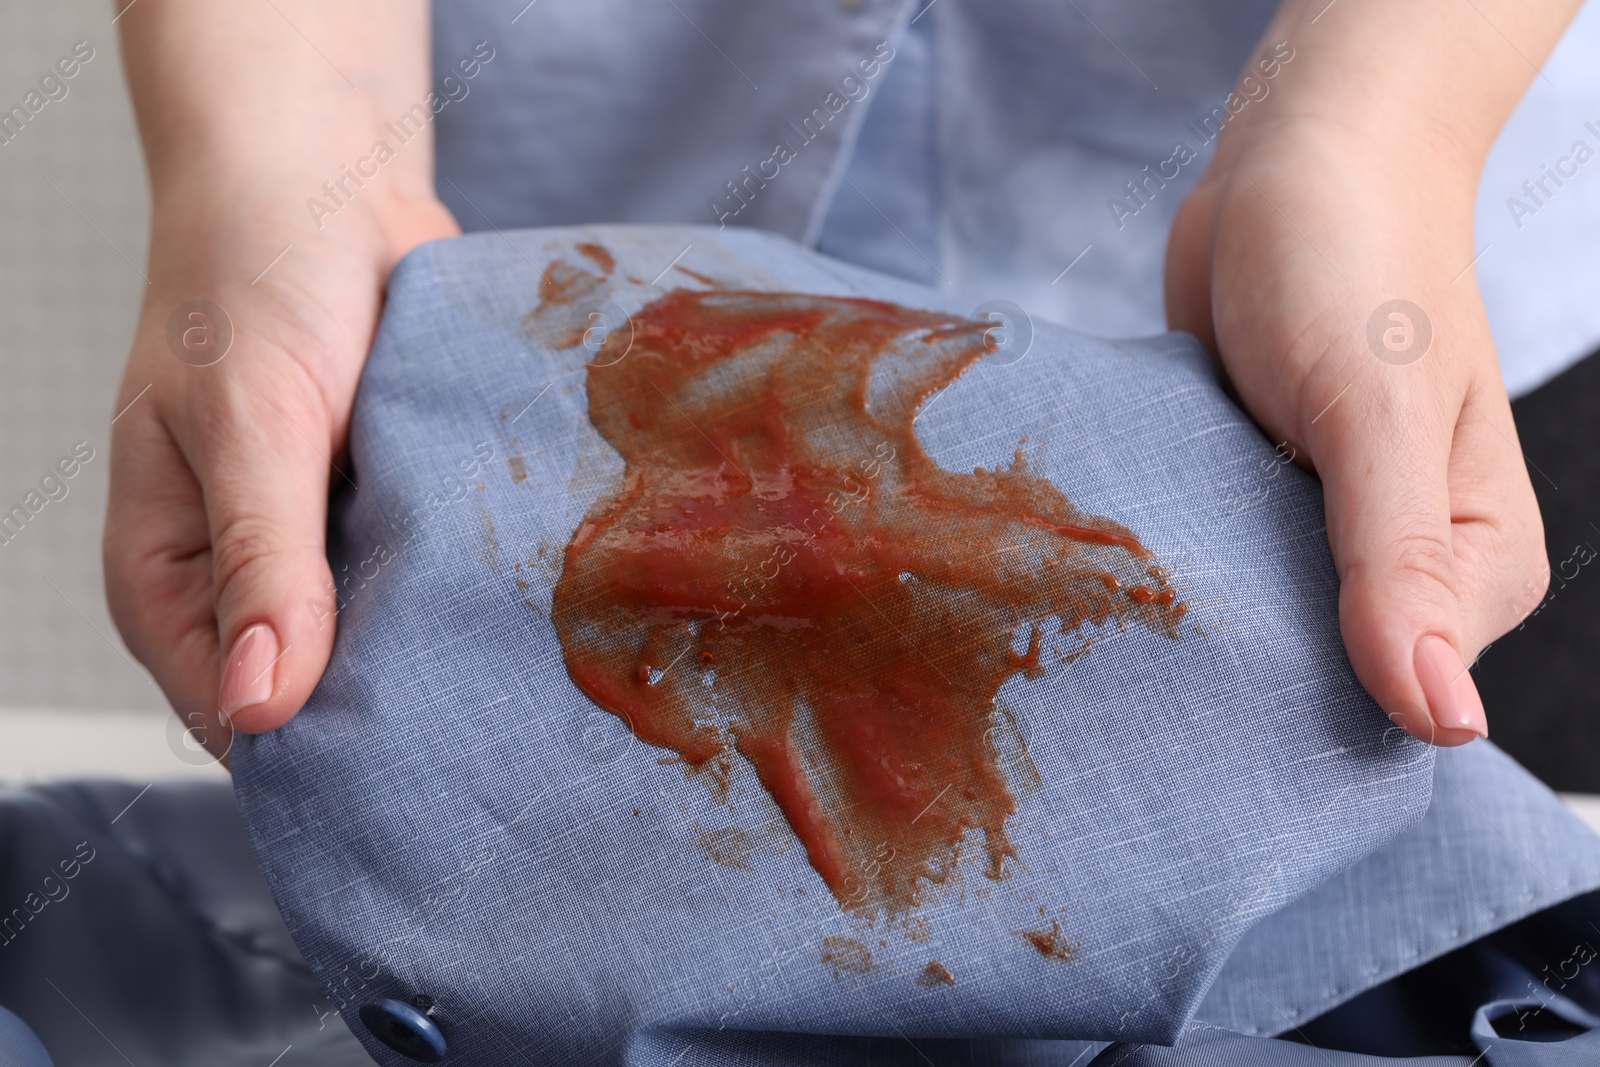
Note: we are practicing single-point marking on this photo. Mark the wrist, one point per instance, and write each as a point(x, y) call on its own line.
point(359, 199)
point(1414, 93)
point(264, 106)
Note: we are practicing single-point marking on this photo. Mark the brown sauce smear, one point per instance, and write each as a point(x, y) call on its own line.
point(697, 276)
point(1052, 943)
point(598, 255)
point(846, 955)
point(563, 283)
point(934, 975)
point(784, 572)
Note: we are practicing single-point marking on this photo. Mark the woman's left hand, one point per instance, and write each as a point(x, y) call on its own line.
point(1326, 259)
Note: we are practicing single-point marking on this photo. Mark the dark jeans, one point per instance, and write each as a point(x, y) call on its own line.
point(1541, 682)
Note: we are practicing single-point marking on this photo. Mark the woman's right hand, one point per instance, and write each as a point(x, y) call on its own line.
point(214, 547)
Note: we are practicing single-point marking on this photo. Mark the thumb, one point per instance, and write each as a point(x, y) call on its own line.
point(1384, 457)
point(266, 494)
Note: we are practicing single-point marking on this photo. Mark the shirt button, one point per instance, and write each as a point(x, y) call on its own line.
point(405, 1028)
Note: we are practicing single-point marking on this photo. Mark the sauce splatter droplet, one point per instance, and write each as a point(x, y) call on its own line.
point(935, 974)
point(846, 955)
point(597, 255)
point(1051, 943)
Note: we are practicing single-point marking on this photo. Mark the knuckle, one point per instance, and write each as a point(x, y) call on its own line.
point(133, 575)
point(243, 547)
point(1427, 557)
point(1524, 575)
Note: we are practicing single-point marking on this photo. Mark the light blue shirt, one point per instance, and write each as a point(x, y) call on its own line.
point(1225, 825)
point(984, 148)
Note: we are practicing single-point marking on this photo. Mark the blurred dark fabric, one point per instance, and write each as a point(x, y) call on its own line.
point(137, 930)
point(1541, 683)
point(1429, 1011)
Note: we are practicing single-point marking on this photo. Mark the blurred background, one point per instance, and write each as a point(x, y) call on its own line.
point(72, 247)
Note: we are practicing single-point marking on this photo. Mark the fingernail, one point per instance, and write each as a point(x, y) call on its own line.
point(1452, 696)
point(248, 676)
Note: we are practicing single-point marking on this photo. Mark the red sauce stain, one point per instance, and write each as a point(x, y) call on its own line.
point(935, 974)
point(784, 572)
point(846, 955)
point(1051, 943)
point(565, 284)
point(697, 276)
point(598, 255)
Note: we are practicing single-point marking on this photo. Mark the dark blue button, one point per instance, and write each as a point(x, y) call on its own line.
point(405, 1029)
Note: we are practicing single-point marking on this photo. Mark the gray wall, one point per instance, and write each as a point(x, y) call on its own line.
point(69, 296)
